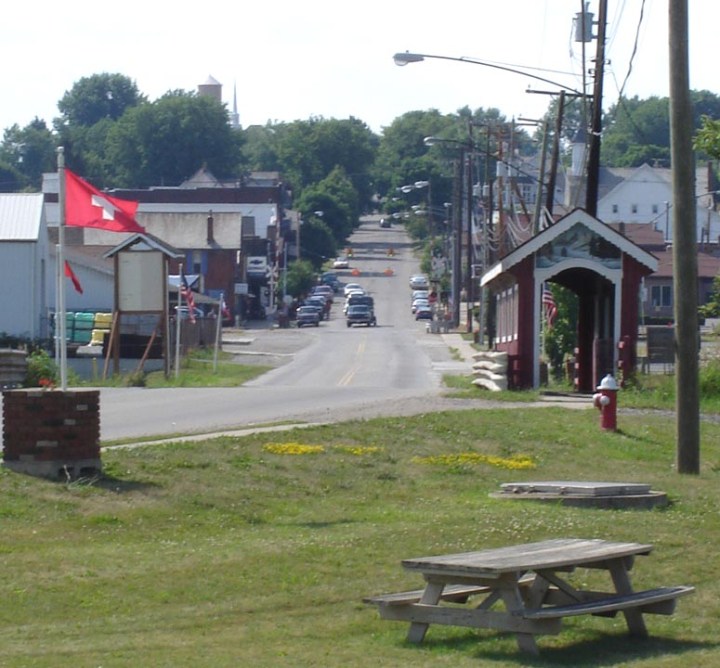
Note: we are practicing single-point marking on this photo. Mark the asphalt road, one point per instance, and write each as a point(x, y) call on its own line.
point(327, 373)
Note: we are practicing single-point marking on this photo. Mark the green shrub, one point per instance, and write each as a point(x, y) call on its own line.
point(710, 379)
point(40, 367)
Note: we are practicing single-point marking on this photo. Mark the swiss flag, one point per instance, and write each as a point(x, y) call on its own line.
point(86, 206)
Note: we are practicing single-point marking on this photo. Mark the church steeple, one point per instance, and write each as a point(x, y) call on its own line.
point(235, 117)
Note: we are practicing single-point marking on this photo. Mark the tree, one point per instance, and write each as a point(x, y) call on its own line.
point(712, 308)
point(560, 339)
point(259, 150)
point(316, 242)
point(300, 278)
point(29, 152)
point(167, 141)
point(707, 139)
point(403, 156)
point(96, 97)
point(308, 151)
point(638, 131)
point(10, 179)
point(338, 200)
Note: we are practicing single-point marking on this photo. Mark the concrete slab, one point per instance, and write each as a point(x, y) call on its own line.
point(576, 487)
point(585, 494)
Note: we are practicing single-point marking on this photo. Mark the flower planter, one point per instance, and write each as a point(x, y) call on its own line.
point(52, 433)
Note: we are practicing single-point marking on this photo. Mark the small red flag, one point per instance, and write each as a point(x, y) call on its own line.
point(86, 206)
point(71, 275)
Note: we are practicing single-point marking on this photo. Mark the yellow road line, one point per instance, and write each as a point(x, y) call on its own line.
point(347, 378)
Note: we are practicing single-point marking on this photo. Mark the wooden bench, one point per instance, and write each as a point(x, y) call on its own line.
point(452, 593)
point(660, 601)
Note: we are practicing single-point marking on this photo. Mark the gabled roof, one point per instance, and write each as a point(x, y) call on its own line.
point(146, 242)
point(708, 266)
point(534, 244)
point(21, 216)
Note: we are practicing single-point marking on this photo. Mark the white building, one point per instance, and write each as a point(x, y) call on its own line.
point(26, 273)
point(644, 195)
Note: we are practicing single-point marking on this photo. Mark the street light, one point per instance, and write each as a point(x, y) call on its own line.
point(402, 59)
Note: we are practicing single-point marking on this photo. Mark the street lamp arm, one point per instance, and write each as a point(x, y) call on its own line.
point(402, 59)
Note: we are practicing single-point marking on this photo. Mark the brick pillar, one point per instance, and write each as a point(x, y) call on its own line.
point(51, 433)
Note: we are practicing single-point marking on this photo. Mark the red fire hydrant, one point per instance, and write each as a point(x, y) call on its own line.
point(606, 401)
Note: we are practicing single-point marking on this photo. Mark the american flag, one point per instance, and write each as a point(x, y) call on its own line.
point(187, 295)
point(549, 306)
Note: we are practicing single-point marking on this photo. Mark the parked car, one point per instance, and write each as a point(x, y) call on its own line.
point(419, 294)
point(385, 222)
point(324, 290)
point(341, 263)
point(360, 314)
point(417, 303)
point(330, 278)
point(308, 315)
point(321, 302)
point(423, 312)
point(419, 282)
point(349, 287)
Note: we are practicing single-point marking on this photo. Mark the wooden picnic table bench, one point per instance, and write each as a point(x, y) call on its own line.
point(531, 581)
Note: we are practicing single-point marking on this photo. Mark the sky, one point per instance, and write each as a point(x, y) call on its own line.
point(290, 60)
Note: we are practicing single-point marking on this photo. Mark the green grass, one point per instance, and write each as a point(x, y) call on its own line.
point(226, 553)
point(198, 369)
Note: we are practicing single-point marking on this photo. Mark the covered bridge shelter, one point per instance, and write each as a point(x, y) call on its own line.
point(601, 266)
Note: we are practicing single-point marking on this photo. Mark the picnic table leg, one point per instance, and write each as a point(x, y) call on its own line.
point(633, 616)
point(431, 596)
point(513, 600)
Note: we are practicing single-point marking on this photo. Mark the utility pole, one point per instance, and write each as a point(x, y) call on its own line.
point(685, 270)
point(456, 211)
point(593, 170)
point(555, 159)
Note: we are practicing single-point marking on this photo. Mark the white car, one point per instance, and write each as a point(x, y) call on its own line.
point(341, 263)
point(350, 287)
point(417, 303)
point(420, 294)
point(419, 282)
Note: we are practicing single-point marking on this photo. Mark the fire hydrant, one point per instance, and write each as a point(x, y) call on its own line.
point(606, 401)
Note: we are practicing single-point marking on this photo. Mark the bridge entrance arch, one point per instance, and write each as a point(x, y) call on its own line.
point(601, 266)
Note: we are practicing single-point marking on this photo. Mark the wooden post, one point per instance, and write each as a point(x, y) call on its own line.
point(685, 268)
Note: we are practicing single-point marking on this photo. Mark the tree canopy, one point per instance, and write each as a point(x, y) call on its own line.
point(167, 141)
point(96, 97)
point(638, 131)
point(26, 153)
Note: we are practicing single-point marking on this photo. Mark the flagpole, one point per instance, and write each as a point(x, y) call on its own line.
point(177, 322)
point(218, 330)
point(61, 323)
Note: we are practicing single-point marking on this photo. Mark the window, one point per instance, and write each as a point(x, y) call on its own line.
point(196, 262)
point(634, 208)
point(615, 208)
point(661, 296)
point(655, 208)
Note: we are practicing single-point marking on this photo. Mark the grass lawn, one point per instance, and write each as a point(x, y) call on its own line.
point(257, 551)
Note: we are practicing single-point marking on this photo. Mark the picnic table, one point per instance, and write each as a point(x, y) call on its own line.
point(530, 584)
